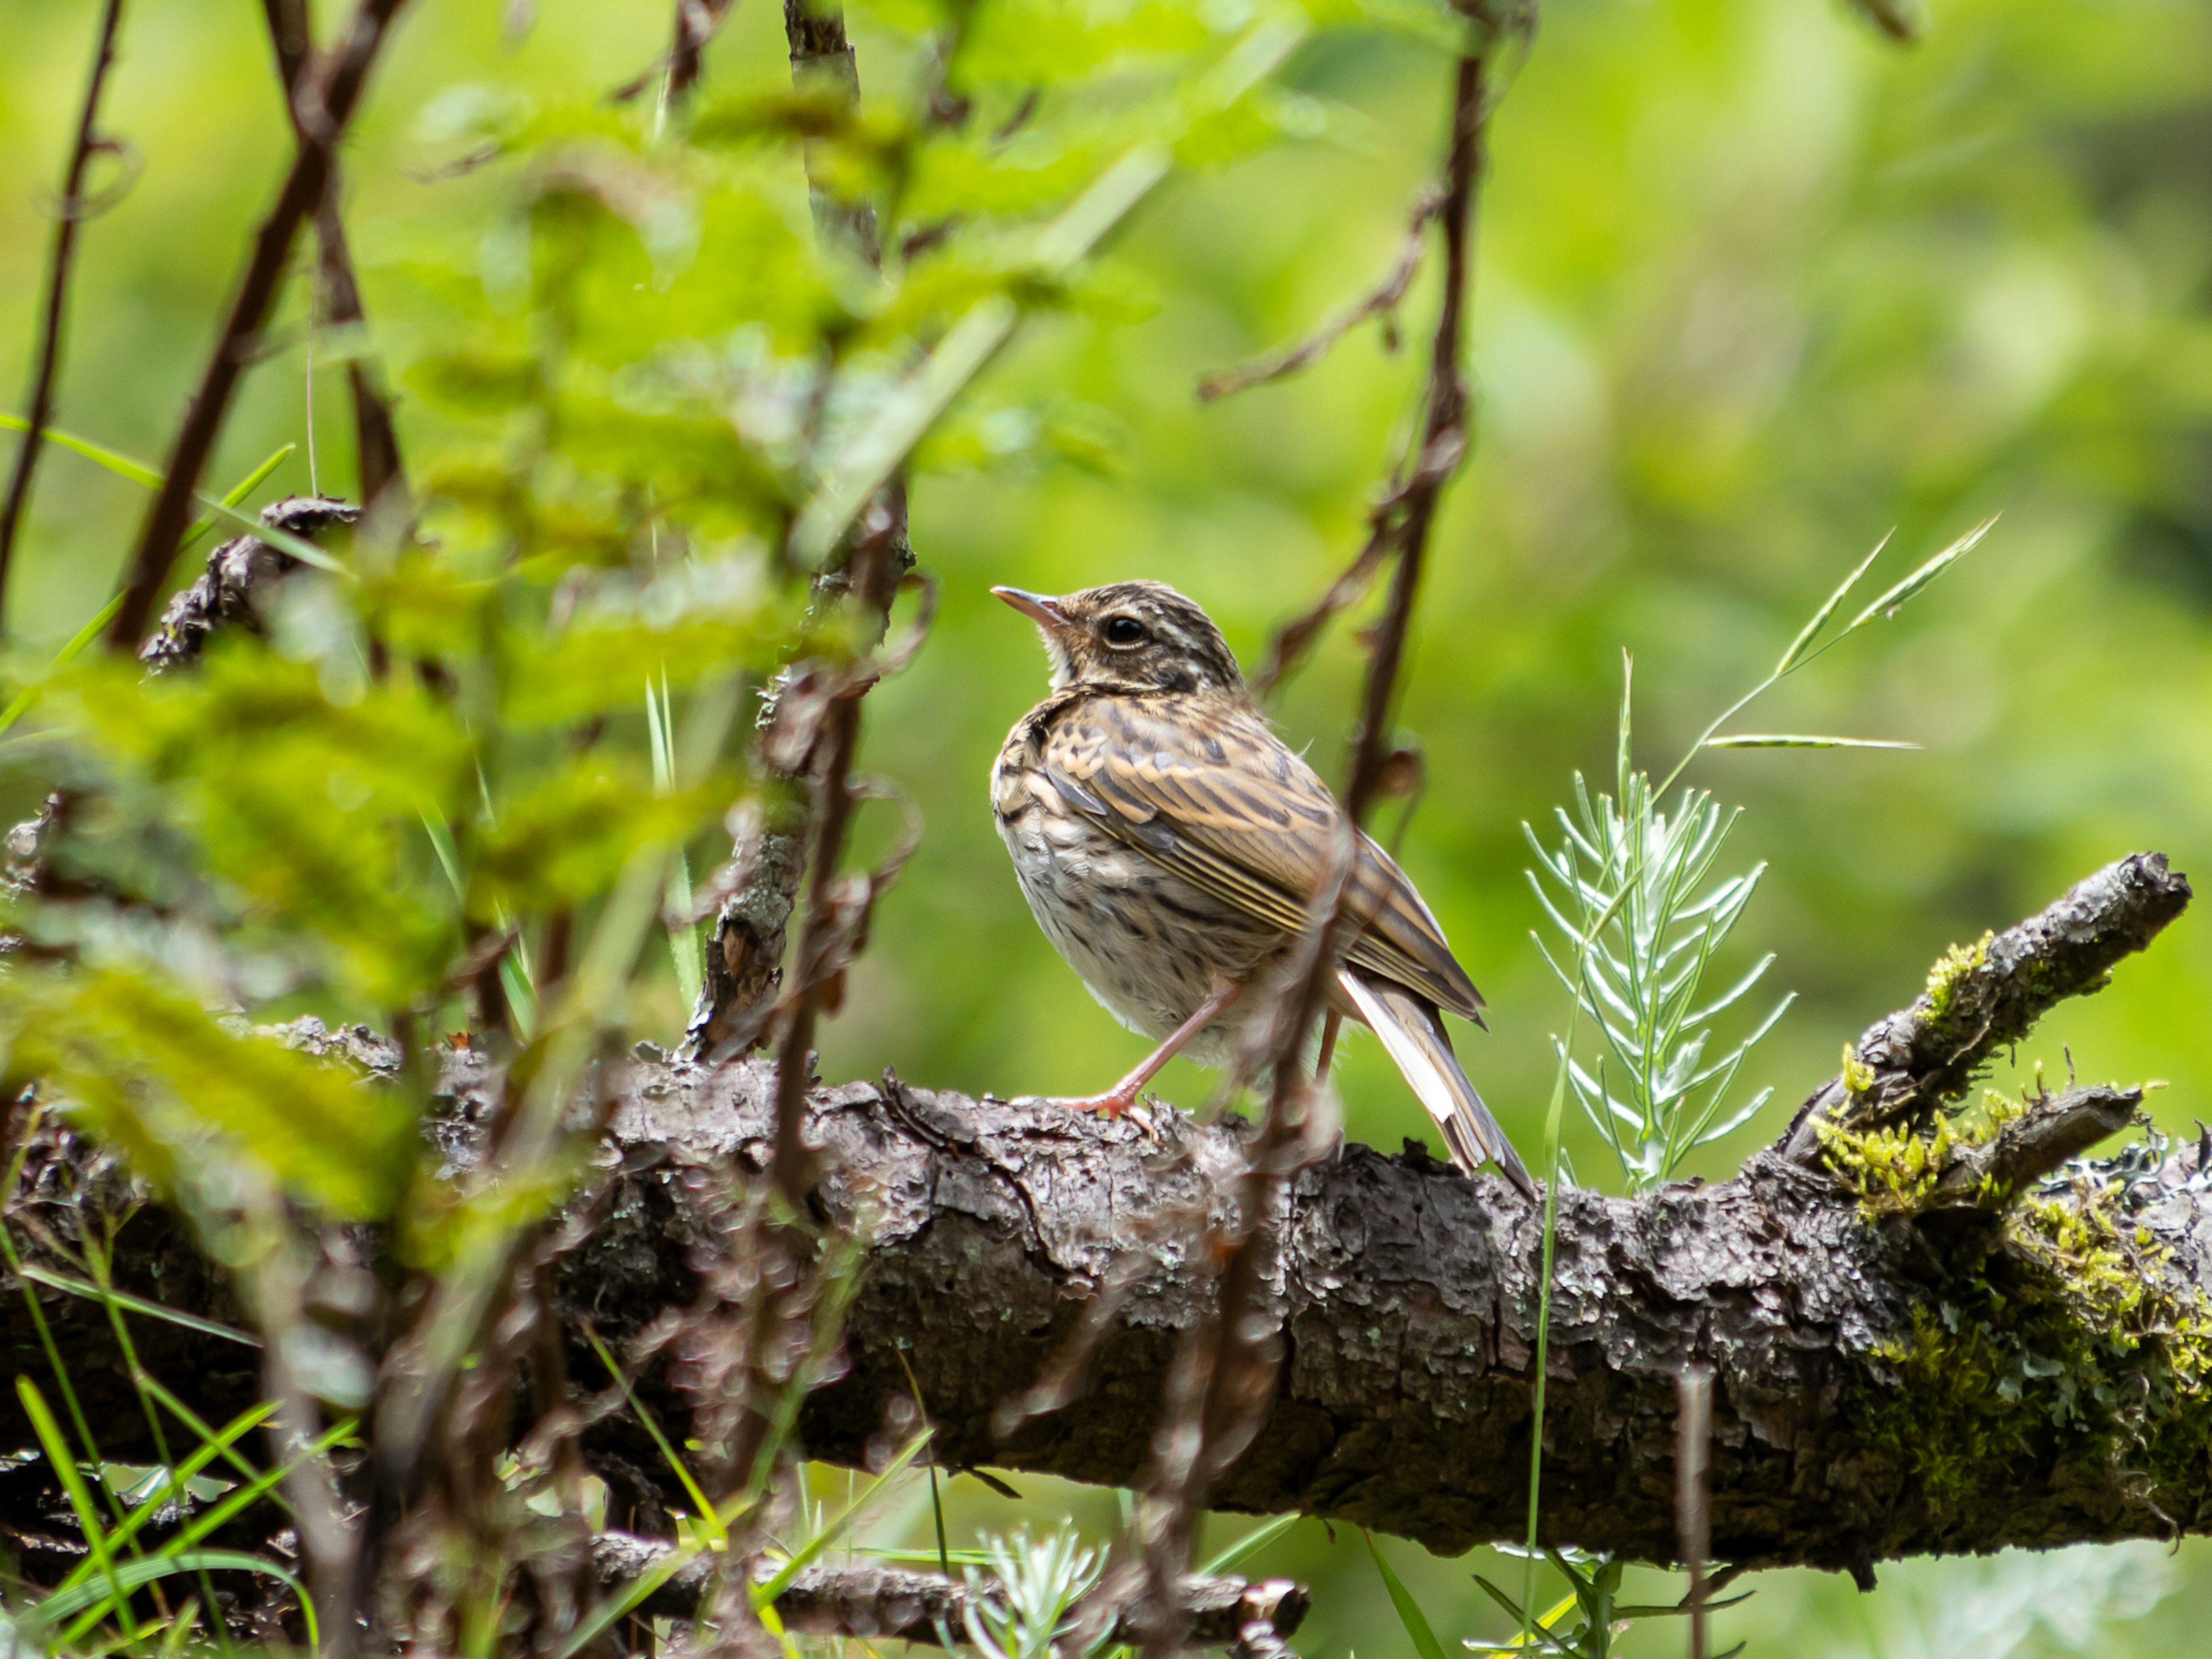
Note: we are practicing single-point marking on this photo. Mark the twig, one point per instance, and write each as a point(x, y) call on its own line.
point(1383, 302)
point(2053, 1130)
point(323, 107)
point(823, 61)
point(1226, 1372)
point(1443, 437)
point(69, 215)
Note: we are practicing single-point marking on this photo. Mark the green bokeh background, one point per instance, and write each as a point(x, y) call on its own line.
point(1755, 287)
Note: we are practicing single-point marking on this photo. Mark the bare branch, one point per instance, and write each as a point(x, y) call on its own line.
point(322, 109)
point(376, 441)
point(69, 213)
point(1443, 436)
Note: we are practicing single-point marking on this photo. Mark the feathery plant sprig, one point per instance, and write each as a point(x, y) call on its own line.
point(1638, 939)
point(1632, 891)
point(1635, 902)
point(1025, 1614)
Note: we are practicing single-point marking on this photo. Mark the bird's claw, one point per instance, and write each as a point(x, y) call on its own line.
point(1115, 1103)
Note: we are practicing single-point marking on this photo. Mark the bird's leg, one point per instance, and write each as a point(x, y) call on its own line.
point(1122, 1097)
point(1329, 1027)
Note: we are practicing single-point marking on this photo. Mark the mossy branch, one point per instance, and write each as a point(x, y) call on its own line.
point(1910, 1065)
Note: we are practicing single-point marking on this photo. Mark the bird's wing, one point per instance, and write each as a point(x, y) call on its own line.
point(1210, 793)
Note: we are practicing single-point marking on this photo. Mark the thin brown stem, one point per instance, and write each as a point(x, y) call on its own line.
point(69, 216)
point(324, 105)
point(1381, 301)
point(376, 440)
point(697, 22)
point(1227, 1370)
point(1443, 437)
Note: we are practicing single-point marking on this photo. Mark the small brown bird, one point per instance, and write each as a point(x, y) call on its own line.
point(1169, 844)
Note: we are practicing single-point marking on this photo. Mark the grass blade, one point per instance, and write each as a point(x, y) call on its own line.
point(1895, 600)
point(139, 472)
point(133, 1575)
point(122, 465)
point(704, 1506)
point(22, 702)
point(174, 1483)
point(1409, 1611)
point(237, 492)
point(1795, 655)
point(92, 1292)
point(64, 1461)
point(1801, 740)
point(1249, 1545)
point(768, 1590)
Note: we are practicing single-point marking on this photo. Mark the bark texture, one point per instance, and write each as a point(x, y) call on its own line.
point(1897, 1368)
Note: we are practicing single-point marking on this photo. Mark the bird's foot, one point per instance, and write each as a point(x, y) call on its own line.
point(1123, 1101)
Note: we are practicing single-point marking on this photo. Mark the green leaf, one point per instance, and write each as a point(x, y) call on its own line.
point(765, 1592)
point(188, 1100)
point(1409, 1611)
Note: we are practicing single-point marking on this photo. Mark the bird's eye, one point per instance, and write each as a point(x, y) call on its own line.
point(1122, 632)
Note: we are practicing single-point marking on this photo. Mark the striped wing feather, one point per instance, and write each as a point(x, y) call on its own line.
point(1225, 804)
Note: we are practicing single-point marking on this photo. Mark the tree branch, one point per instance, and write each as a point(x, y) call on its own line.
point(1884, 1385)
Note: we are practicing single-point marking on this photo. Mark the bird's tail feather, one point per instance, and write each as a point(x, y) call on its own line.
point(1414, 1036)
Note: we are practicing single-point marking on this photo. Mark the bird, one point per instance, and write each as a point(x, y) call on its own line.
point(1170, 844)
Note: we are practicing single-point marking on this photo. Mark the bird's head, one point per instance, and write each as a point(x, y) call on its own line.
point(1140, 635)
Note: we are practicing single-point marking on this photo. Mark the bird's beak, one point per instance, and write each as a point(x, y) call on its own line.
point(1039, 607)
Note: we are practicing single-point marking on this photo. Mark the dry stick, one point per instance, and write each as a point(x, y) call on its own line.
point(833, 814)
point(1693, 1424)
point(376, 441)
point(70, 214)
point(325, 104)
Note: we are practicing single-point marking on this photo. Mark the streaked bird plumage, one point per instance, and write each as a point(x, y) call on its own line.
point(1169, 844)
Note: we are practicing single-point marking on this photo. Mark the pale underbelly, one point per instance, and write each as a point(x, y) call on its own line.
point(1148, 944)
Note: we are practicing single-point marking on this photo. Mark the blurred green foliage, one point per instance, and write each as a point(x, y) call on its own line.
point(1754, 286)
